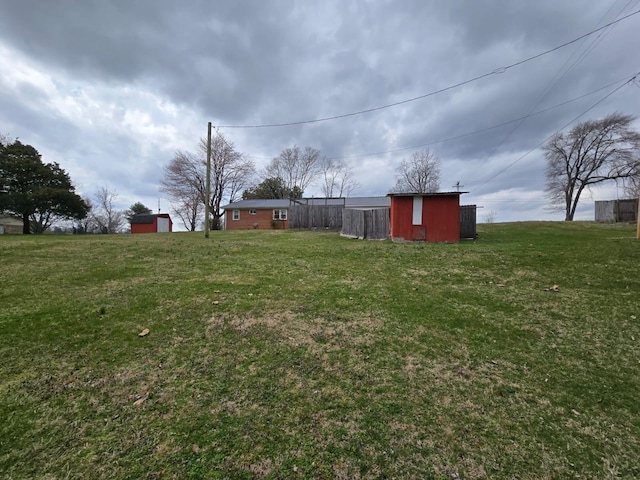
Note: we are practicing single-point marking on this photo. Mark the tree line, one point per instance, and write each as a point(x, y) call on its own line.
point(234, 176)
point(42, 194)
point(590, 153)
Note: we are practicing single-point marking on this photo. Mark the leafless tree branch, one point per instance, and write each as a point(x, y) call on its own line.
point(418, 174)
point(592, 152)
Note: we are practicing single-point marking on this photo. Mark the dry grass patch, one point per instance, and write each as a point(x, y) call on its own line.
point(297, 330)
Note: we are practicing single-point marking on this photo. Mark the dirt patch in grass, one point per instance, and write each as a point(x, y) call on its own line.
point(295, 330)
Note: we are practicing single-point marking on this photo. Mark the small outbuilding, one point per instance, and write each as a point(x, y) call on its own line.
point(151, 223)
point(425, 217)
point(10, 225)
point(614, 211)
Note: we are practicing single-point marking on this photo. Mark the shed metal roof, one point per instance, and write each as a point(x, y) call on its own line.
point(367, 202)
point(147, 218)
point(10, 220)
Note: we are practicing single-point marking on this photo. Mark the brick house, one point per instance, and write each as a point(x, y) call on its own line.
point(257, 214)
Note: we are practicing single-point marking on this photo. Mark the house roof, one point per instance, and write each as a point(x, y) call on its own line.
point(146, 218)
point(367, 202)
point(348, 202)
point(10, 220)
point(258, 203)
point(432, 194)
point(324, 201)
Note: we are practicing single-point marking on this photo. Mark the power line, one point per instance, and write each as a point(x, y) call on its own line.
point(594, 42)
point(631, 80)
point(514, 201)
point(558, 77)
point(435, 92)
point(474, 132)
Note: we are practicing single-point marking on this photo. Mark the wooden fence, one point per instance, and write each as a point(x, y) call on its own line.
point(617, 210)
point(468, 221)
point(326, 217)
point(371, 224)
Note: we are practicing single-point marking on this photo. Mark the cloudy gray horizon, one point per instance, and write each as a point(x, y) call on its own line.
point(111, 90)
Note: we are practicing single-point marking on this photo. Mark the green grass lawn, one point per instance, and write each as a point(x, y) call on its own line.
point(285, 354)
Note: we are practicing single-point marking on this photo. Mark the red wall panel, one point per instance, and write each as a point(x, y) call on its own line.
point(440, 218)
point(144, 227)
point(150, 227)
point(401, 218)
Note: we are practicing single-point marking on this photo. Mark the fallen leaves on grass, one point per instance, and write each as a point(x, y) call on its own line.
point(141, 400)
point(144, 333)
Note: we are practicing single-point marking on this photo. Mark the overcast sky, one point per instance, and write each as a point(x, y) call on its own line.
point(111, 89)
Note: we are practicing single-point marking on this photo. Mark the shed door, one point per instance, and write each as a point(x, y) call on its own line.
point(163, 224)
point(417, 210)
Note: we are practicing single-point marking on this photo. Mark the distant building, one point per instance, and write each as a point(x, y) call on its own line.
point(151, 223)
point(10, 225)
point(257, 214)
point(267, 214)
point(617, 210)
point(439, 216)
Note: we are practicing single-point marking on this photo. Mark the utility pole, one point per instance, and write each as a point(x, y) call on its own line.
point(457, 186)
point(207, 224)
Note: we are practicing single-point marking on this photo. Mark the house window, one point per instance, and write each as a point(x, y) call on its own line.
point(236, 214)
point(280, 214)
point(252, 211)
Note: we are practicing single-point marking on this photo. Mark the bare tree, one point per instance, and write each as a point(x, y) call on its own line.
point(418, 174)
point(105, 215)
point(632, 186)
point(337, 178)
point(189, 211)
point(592, 152)
point(185, 180)
point(88, 224)
point(490, 216)
point(296, 167)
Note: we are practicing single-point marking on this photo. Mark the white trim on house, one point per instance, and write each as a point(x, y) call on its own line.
point(280, 214)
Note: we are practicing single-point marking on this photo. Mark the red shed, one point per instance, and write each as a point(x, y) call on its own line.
point(425, 217)
point(151, 223)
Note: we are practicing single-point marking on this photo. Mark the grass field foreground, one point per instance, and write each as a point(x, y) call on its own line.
point(294, 354)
